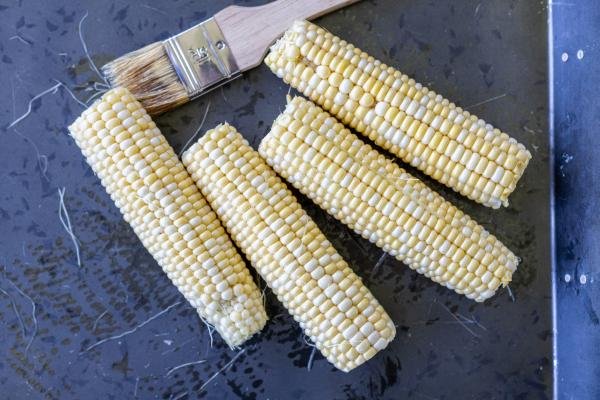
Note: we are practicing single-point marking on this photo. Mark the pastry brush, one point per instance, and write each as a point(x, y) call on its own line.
point(166, 74)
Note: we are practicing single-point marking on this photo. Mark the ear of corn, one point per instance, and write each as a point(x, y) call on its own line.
point(409, 120)
point(383, 203)
point(314, 283)
point(159, 200)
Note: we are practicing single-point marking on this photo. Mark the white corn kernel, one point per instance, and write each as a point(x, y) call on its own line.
point(362, 97)
point(150, 185)
point(386, 205)
point(303, 269)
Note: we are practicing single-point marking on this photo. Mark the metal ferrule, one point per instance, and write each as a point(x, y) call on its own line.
point(202, 58)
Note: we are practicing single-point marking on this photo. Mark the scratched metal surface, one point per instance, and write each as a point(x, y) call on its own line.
point(488, 56)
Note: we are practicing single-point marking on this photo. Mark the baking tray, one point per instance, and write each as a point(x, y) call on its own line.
point(490, 57)
point(574, 117)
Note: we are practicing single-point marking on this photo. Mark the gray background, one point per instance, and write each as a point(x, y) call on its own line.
point(490, 57)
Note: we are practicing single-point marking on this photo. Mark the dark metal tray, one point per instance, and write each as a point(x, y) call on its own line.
point(490, 57)
point(575, 113)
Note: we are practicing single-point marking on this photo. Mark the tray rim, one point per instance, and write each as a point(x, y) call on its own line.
point(552, 199)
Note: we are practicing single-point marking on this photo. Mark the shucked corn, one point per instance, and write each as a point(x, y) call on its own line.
point(383, 203)
point(400, 115)
point(299, 264)
point(159, 200)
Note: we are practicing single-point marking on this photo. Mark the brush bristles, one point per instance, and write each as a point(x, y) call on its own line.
point(149, 75)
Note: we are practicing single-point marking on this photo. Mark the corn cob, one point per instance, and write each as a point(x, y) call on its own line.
point(159, 200)
point(409, 120)
point(383, 203)
point(303, 269)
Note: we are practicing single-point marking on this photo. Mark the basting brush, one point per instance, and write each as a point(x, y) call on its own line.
point(166, 74)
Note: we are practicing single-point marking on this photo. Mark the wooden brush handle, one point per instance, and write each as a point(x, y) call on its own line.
point(250, 31)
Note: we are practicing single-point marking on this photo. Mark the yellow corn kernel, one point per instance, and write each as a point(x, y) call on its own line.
point(375, 88)
point(386, 205)
point(157, 197)
point(300, 265)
